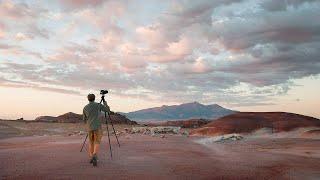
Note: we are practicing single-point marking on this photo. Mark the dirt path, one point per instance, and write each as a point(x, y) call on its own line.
point(146, 157)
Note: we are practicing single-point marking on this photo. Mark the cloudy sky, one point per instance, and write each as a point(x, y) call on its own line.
point(248, 55)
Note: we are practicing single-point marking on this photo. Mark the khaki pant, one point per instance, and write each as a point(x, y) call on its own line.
point(95, 136)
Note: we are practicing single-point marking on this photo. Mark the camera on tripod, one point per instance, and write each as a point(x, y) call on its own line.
point(103, 92)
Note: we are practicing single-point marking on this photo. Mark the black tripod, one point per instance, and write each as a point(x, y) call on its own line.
point(114, 131)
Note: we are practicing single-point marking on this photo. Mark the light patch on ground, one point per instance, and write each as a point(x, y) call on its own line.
point(219, 139)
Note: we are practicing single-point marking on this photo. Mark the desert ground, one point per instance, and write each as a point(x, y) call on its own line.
point(51, 151)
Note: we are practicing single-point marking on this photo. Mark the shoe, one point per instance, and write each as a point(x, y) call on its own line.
point(94, 160)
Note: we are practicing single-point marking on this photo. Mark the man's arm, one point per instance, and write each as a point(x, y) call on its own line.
point(105, 107)
point(84, 117)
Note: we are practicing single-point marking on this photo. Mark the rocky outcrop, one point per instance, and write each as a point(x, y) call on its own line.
point(69, 117)
point(46, 119)
point(156, 130)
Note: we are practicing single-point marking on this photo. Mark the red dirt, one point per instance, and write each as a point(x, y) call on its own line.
point(146, 157)
point(246, 122)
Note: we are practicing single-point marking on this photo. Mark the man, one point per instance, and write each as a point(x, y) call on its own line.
point(91, 113)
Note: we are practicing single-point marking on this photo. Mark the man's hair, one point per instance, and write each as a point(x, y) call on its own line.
point(91, 97)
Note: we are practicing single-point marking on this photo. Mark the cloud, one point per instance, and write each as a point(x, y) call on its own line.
point(182, 50)
point(22, 37)
point(78, 4)
point(9, 9)
point(20, 84)
point(18, 51)
point(35, 31)
point(281, 5)
point(2, 30)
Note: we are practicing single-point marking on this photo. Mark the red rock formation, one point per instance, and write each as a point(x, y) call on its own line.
point(246, 122)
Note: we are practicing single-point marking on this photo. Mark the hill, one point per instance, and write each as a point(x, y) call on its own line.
point(193, 110)
point(246, 122)
point(71, 117)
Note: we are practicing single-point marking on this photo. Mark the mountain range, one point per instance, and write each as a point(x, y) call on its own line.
point(180, 112)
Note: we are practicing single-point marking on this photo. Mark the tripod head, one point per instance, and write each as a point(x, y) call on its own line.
point(103, 92)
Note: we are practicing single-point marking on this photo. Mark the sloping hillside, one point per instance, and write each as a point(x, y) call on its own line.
point(246, 122)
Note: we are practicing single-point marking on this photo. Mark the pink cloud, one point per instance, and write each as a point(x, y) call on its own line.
point(181, 48)
point(76, 4)
point(21, 37)
point(9, 9)
point(152, 35)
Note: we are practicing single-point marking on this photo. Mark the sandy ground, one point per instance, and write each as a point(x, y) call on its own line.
point(172, 157)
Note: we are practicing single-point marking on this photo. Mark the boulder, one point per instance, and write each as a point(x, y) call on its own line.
point(165, 130)
point(229, 137)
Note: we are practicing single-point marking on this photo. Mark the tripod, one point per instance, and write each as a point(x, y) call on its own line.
point(114, 131)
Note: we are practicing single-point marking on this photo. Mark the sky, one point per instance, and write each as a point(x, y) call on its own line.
point(246, 55)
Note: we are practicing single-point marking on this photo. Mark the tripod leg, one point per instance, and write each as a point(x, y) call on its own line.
point(108, 134)
point(114, 130)
point(84, 142)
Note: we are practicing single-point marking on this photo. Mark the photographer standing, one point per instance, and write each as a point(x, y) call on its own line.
point(91, 113)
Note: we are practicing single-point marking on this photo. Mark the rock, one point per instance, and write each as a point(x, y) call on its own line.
point(163, 136)
point(165, 130)
point(127, 130)
point(139, 129)
point(81, 133)
point(220, 139)
point(186, 133)
point(153, 131)
point(229, 137)
point(46, 119)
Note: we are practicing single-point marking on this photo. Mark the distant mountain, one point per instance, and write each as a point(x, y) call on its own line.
point(193, 110)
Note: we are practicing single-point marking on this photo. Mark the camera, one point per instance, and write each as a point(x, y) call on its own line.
point(103, 92)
